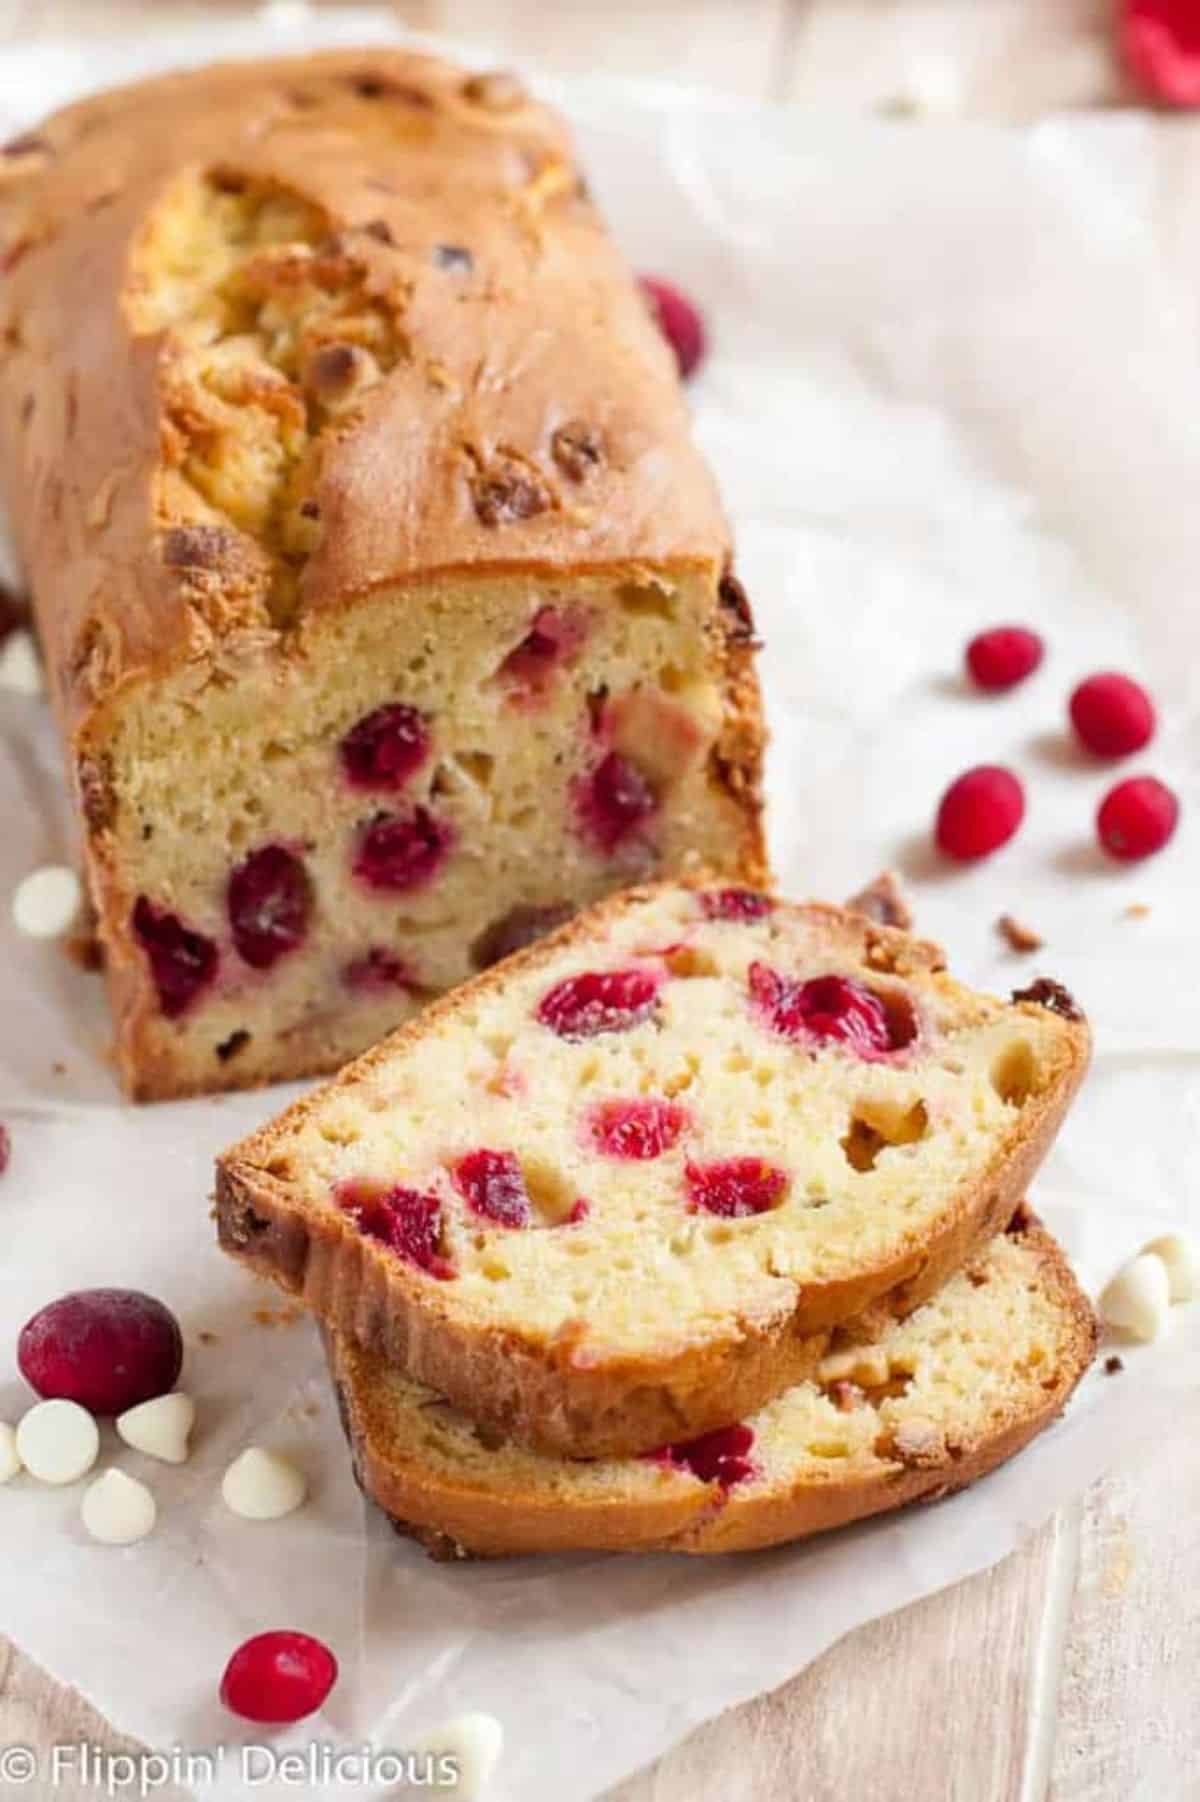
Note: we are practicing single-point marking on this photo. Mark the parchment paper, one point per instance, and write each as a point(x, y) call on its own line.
point(955, 381)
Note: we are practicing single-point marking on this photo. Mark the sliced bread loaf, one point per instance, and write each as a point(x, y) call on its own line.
point(603, 1196)
point(940, 1399)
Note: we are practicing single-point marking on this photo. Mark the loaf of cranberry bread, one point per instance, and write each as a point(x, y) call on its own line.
point(602, 1196)
point(386, 602)
point(940, 1399)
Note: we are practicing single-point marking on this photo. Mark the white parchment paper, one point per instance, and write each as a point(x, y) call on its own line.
point(955, 381)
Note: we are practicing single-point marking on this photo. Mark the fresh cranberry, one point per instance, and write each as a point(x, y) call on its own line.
point(377, 972)
point(269, 899)
point(979, 812)
point(580, 1211)
point(582, 1007)
point(1112, 715)
point(402, 851)
point(678, 321)
point(614, 801)
point(716, 1457)
point(278, 1677)
point(553, 639)
point(830, 1007)
point(107, 1349)
point(1004, 656)
point(1136, 818)
point(735, 904)
point(182, 962)
point(493, 1186)
point(405, 1220)
point(734, 1188)
point(636, 1129)
point(385, 747)
point(1160, 42)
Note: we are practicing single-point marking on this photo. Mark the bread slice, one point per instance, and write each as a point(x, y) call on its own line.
point(940, 1399)
point(603, 1196)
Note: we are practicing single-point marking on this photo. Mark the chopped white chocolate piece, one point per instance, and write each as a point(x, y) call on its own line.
point(58, 1441)
point(1137, 1299)
point(118, 1510)
point(474, 1743)
point(48, 902)
point(1182, 1260)
point(260, 1485)
point(20, 666)
point(160, 1428)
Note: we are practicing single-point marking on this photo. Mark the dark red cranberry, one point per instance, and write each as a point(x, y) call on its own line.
point(830, 1007)
point(398, 852)
point(385, 747)
point(278, 1677)
point(735, 1188)
point(1002, 657)
point(1160, 41)
point(636, 1129)
point(1136, 818)
point(554, 638)
point(107, 1349)
point(614, 801)
point(377, 972)
point(182, 962)
point(678, 321)
point(582, 1007)
point(407, 1221)
point(493, 1186)
point(735, 904)
point(979, 812)
point(717, 1457)
point(1112, 715)
point(269, 899)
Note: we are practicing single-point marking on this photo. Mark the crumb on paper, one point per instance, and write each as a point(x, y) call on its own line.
point(84, 950)
point(287, 1315)
point(207, 1338)
point(58, 1067)
point(883, 901)
point(1119, 1568)
point(1017, 935)
point(1113, 1365)
point(1137, 910)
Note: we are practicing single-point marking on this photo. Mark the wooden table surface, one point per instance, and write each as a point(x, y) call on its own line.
point(1071, 1670)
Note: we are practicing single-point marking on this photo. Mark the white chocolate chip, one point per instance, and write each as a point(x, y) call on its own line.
point(1182, 1260)
point(1138, 1298)
point(10, 1457)
point(20, 667)
point(474, 1742)
point(261, 1485)
point(160, 1428)
point(117, 1510)
point(48, 902)
point(58, 1441)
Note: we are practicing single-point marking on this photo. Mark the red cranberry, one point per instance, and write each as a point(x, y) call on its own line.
point(979, 812)
point(553, 639)
point(735, 904)
point(377, 972)
point(734, 1188)
point(269, 899)
point(581, 1007)
point(1112, 715)
point(182, 962)
point(580, 1211)
point(679, 322)
point(107, 1349)
point(716, 1457)
point(636, 1129)
point(279, 1677)
point(493, 1186)
point(1004, 656)
point(614, 801)
point(402, 851)
point(385, 747)
point(1160, 42)
point(830, 1007)
point(1136, 818)
point(405, 1220)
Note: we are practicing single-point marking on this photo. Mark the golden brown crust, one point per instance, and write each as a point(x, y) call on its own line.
point(545, 1393)
point(484, 1521)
